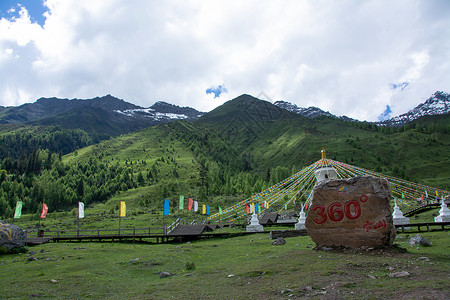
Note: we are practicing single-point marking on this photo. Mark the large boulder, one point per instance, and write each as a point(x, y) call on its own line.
point(11, 236)
point(351, 213)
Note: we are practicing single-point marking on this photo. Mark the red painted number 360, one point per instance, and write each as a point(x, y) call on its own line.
point(335, 212)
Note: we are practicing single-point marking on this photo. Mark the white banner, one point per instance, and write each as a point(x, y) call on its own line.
point(195, 206)
point(80, 210)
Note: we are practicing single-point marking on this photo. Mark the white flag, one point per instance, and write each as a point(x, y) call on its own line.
point(195, 206)
point(80, 210)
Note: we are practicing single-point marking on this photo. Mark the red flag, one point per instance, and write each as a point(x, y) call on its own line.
point(44, 210)
point(247, 208)
point(306, 206)
point(190, 203)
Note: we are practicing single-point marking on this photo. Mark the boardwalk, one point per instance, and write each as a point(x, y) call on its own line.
point(149, 235)
point(419, 226)
point(421, 209)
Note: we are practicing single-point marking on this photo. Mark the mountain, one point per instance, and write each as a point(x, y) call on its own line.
point(243, 118)
point(246, 107)
point(437, 104)
point(104, 116)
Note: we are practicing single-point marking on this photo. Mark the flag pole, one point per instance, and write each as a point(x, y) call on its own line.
point(164, 224)
point(39, 224)
point(120, 219)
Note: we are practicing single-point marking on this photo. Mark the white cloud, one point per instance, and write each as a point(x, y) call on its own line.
point(340, 56)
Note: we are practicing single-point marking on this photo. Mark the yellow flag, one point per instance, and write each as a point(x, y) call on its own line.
point(123, 209)
point(204, 209)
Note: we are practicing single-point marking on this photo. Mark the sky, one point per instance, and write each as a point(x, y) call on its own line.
point(367, 60)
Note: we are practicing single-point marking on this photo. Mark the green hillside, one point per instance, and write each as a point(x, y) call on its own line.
point(224, 157)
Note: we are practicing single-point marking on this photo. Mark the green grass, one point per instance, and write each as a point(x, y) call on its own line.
point(234, 268)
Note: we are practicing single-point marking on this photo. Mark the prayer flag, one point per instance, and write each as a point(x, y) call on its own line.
point(437, 193)
point(220, 211)
point(426, 194)
point(123, 209)
point(259, 208)
point(421, 196)
point(181, 202)
point(166, 207)
point(403, 196)
point(80, 210)
point(256, 207)
point(18, 212)
point(204, 209)
point(190, 203)
point(195, 206)
point(44, 210)
point(247, 208)
point(207, 210)
point(285, 206)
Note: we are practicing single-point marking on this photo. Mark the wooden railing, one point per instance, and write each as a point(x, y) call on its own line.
point(172, 226)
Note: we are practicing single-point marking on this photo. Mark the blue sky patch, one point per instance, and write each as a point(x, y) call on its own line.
point(401, 86)
point(216, 90)
point(386, 114)
point(10, 9)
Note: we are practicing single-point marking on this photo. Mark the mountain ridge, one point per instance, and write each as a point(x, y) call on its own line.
point(437, 104)
point(112, 116)
point(121, 117)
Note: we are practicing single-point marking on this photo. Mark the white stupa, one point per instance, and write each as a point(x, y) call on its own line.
point(254, 224)
point(444, 213)
point(398, 218)
point(300, 225)
point(325, 173)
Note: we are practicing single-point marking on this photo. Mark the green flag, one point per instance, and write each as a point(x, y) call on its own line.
point(220, 210)
point(285, 206)
point(181, 202)
point(18, 212)
point(403, 196)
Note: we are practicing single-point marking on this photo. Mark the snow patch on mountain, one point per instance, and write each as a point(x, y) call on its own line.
point(151, 113)
point(310, 112)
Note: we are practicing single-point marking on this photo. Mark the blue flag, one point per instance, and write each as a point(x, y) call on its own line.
point(207, 210)
point(166, 207)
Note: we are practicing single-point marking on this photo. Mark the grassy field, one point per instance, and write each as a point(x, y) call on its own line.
point(233, 268)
